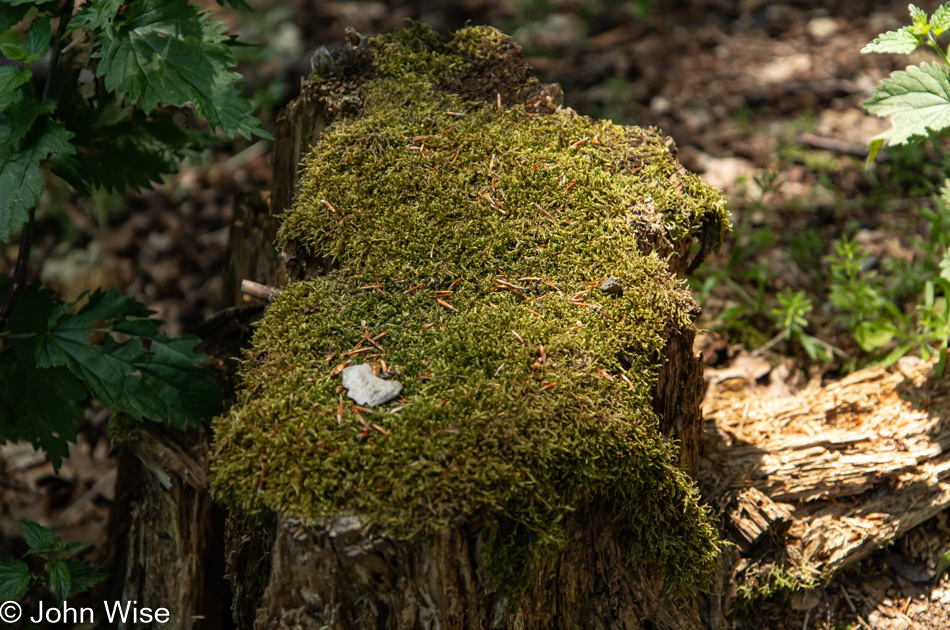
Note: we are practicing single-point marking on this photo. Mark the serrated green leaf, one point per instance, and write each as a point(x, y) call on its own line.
point(17, 121)
point(41, 406)
point(59, 578)
point(918, 18)
point(156, 144)
point(76, 547)
point(940, 21)
point(34, 47)
point(98, 14)
point(21, 180)
point(901, 41)
point(168, 52)
point(13, 52)
point(11, 78)
point(37, 537)
point(917, 100)
point(37, 40)
point(14, 579)
point(83, 575)
point(149, 376)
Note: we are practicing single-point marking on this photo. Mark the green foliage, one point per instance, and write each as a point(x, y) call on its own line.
point(139, 61)
point(789, 315)
point(889, 307)
point(768, 579)
point(21, 180)
point(942, 565)
point(61, 356)
point(144, 53)
point(64, 574)
point(146, 375)
point(917, 99)
point(865, 306)
point(101, 116)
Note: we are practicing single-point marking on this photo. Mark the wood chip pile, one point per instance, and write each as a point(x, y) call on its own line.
point(817, 481)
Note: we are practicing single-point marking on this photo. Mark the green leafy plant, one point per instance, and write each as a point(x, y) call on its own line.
point(917, 99)
point(790, 318)
point(96, 97)
point(942, 564)
point(62, 572)
point(880, 328)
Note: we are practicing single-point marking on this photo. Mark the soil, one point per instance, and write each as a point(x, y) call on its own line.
point(737, 85)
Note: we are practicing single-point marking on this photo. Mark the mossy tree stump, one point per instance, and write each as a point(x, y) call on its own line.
point(514, 266)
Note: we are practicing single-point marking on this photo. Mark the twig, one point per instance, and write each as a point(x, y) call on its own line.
point(65, 13)
point(258, 290)
point(837, 146)
point(833, 144)
point(19, 272)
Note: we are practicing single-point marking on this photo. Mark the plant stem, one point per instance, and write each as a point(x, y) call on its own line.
point(26, 239)
point(19, 272)
point(932, 42)
point(65, 12)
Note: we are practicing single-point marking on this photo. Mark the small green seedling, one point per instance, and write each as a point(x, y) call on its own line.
point(63, 573)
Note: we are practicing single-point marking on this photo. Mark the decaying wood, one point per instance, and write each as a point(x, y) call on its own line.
point(258, 290)
point(251, 252)
point(678, 397)
point(347, 576)
point(856, 463)
point(162, 525)
point(753, 518)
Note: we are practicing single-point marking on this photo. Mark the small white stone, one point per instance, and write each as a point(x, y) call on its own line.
point(365, 388)
point(822, 27)
point(660, 105)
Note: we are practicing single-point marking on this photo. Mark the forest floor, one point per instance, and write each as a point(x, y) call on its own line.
point(747, 93)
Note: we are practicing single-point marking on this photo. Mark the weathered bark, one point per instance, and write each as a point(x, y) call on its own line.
point(251, 252)
point(289, 574)
point(165, 530)
point(347, 577)
point(679, 395)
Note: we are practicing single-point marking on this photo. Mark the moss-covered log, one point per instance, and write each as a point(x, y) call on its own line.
point(514, 267)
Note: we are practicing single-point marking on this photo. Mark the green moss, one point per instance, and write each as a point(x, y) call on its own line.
point(768, 579)
point(520, 404)
point(416, 50)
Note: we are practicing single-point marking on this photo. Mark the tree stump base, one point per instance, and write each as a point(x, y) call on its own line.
point(514, 267)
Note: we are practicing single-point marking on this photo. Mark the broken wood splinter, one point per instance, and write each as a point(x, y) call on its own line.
point(258, 290)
